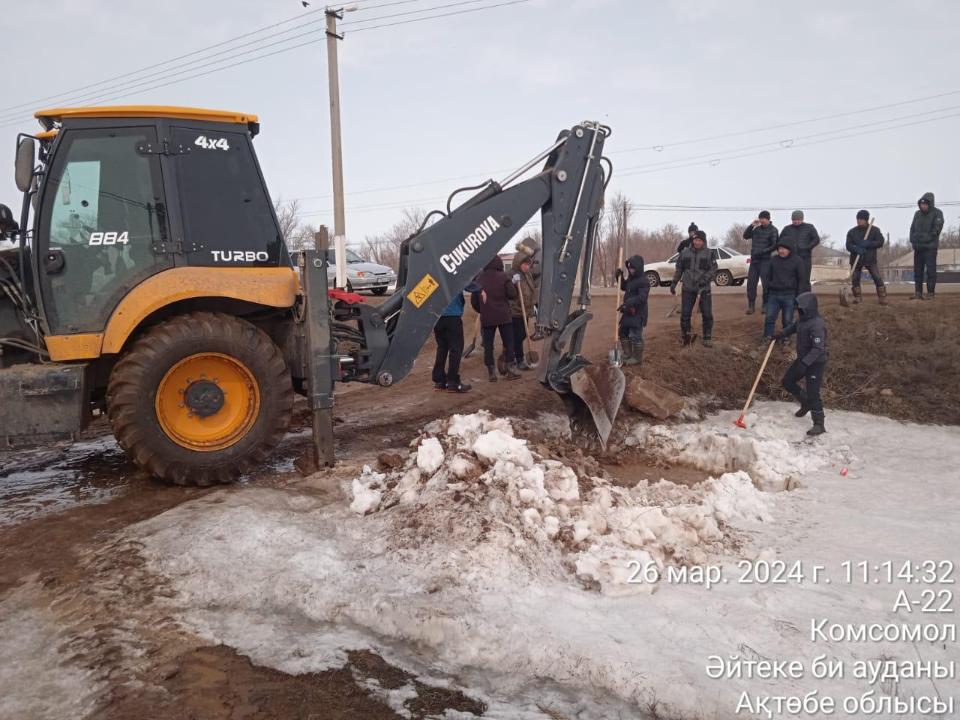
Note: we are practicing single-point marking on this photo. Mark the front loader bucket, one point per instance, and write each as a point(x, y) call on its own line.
point(601, 388)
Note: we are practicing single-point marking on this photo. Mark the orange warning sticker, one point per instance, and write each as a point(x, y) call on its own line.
point(423, 290)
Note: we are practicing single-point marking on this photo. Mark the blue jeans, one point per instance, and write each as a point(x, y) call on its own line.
point(779, 302)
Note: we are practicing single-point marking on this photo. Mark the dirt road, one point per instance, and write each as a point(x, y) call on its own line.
point(64, 567)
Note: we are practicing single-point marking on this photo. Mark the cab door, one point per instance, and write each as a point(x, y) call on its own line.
point(103, 226)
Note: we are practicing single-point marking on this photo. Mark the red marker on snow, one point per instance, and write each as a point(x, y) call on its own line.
point(843, 472)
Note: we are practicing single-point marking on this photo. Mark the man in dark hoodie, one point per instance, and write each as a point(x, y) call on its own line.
point(804, 238)
point(762, 235)
point(696, 268)
point(811, 360)
point(782, 279)
point(492, 301)
point(863, 241)
point(925, 239)
point(633, 318)
point(685, 243)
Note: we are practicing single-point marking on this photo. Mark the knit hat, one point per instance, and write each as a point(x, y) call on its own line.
point(700, 234)
point(796, 215)
point(693, 226)
point(863, 215)
point(764, 215)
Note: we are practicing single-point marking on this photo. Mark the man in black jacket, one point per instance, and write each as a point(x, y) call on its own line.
point(863, 241)
point(762, 235)
point(633, 318)
point(804, 237)
point(925, 239)
point(783, 277)
point(696, 268)
point(811, 361)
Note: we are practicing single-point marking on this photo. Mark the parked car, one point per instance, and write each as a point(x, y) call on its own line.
point(361, 275)
point(732, 268)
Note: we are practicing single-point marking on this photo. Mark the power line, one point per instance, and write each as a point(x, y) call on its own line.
point(787, 143)
point(126, 90)
point(773, 208)
point(231, 53)
point(198, 51)
point(834, 116)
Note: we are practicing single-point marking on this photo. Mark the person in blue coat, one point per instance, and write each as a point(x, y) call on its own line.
point(448, 333)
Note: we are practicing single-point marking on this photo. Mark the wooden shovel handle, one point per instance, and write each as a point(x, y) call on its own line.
point(756, 382)
point(616, 325)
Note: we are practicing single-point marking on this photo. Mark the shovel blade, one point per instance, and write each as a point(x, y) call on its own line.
point(533, 358)
point(470, 348)
point(601, 388)
point(843, 298)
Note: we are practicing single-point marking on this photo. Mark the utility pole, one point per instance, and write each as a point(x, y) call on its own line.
point(333, 79)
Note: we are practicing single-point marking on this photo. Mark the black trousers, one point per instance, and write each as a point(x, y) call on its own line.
point(757, 265)
point(813, 379)
point(687, 301)
point(870, 267)
point(506, 336)
point(449, 334)
point(807, 270)
point(925, 260)
point(519, 335)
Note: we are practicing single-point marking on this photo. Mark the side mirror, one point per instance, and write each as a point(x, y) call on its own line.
point(24, 163)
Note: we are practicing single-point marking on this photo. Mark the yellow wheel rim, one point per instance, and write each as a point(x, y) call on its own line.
point(232, 402)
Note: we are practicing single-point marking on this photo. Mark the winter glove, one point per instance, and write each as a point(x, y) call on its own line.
point(859, 249)
point(801, 367)
point(673, 289)
point(622, 308)
point(777, 334)
point(516, 279)
point(618, 274)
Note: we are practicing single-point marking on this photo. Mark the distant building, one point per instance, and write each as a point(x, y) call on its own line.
point(948, 267)
point(824, 255)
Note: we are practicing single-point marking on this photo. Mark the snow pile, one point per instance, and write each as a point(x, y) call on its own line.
point(472, 478)
point(770, 461)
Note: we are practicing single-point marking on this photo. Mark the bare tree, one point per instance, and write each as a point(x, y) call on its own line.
point(385, 247)
point(288, 215)
point(611, 236)
point(733, 238)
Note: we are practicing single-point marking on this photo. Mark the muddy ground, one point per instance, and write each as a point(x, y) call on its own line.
point(61, 509)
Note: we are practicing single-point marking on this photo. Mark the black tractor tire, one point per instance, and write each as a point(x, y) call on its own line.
point(653, 279)
point(724, 278)
point(135, 381)
point(380, 291)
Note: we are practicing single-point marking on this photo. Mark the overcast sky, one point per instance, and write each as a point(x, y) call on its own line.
point(476, 94)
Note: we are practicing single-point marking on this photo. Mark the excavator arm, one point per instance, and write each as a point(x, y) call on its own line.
point(378, 344)
point(438, 263)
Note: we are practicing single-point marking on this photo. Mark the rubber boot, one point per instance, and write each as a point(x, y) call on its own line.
point(631, 353)
point(804, 408)
point(917, 295)
point(491, 373)
point(522, 365)
point(685, 339)
point(857, 294)
point(882, 295)
point(708, 342)
point(459, 387)
point(751, 308)
point(512, 373)
point(818, 428)
point(931, 295)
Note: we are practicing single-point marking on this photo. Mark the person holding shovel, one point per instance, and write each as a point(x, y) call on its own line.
point(863, 241)
point(524, 301)
point(811, 332)
point(696, 269)
point(633, 311)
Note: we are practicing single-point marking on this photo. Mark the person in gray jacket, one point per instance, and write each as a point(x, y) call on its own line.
point(805, 238)
point(696, 269)
point(811, 360)
point(925, 239)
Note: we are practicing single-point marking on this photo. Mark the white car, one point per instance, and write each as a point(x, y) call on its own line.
point(732, 268)
point(361, 274)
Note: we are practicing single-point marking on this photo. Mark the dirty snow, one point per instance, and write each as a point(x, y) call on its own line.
point(504, 570)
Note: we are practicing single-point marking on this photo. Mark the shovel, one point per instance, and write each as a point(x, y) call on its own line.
point(739, 421)
point(615, 356)
point(473, 343)
point(532, 356)
point(857, 267)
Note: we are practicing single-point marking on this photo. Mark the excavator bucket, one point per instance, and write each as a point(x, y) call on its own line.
point(601, 388)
